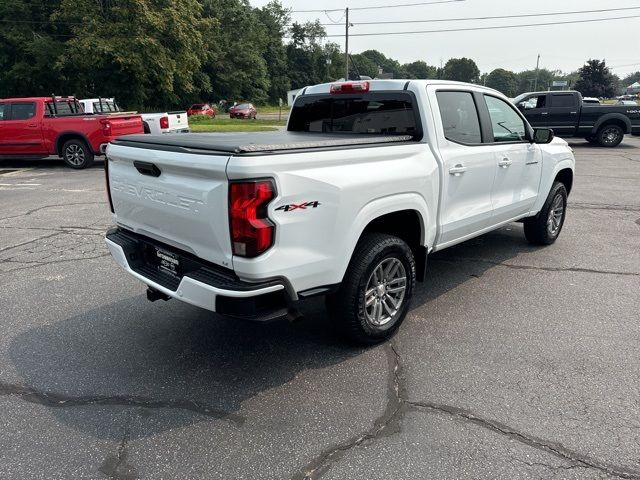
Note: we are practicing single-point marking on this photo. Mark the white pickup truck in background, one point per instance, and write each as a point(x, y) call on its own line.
point(367, 181)
point(154, 123)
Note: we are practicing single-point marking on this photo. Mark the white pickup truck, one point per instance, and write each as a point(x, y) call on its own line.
point(154, 123)
point(367, 181)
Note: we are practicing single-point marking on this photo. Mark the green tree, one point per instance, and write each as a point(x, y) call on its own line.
point(461, 70)
point(596, 80)
point(275, 18)
point(504, 81)
point(30, 45)
point(308, 62)
point(362, 65)
point(388, 65)
point(146, 52)
point(420, 69)
point(630, 79)
point(236, 61)
point(527, 80)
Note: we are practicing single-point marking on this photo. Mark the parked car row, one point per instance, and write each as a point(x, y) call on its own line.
point(242, 110)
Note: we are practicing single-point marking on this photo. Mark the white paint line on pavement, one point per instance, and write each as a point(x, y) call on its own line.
point(20, 184)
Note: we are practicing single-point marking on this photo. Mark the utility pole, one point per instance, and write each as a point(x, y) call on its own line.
point(535, 88)
point(346, 45)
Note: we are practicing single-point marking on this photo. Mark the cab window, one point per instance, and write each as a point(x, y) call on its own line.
point(507, 125)
point(23, 111)
point(459, 117)
point(3, 108)
point(537, 101)
point(565, 101)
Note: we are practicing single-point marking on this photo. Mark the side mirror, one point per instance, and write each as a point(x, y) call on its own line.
point(543, 135)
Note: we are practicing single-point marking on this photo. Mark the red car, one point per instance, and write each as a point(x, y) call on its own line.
point(201, 109)
point(42, 126)
point(243, 110)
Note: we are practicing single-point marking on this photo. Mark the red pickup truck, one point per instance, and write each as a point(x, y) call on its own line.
point(41, 126)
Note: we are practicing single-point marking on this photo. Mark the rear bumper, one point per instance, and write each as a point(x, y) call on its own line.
point(201, 284)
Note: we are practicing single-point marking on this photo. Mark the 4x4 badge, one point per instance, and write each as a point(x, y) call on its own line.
point(300, 206)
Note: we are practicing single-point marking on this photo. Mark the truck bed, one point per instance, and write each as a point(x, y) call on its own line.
point(251, 143)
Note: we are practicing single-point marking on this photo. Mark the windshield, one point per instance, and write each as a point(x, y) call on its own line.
point(243, 106)
point(373, 113)
point(197, 106)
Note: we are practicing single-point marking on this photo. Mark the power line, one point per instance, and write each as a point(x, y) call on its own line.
point(377, 7)
point(499, 17)
point(500, 27)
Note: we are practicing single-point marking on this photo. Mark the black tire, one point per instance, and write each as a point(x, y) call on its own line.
point(76, 154)
point(542, 229)
point(347, 307)
point(610, 136)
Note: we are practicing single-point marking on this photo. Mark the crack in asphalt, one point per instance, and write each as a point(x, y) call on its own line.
point(532, 267)
point(58, 400)
point(605, 206)
point(116, 466)
point(553, 448)
point(34, 210)
point(398, 405)
point(386, 424)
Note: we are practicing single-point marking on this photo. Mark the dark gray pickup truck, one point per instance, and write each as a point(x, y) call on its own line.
point(566, 114)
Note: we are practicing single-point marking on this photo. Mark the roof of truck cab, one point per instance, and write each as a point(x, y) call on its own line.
point(391, 84)
point(252, 142)
point(34, 99)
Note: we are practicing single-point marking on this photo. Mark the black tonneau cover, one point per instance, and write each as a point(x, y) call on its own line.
point(262, 142)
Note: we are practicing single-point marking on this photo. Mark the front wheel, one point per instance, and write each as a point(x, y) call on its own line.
point(77, 154)
point(610, 136)
point(375, 294)
point(544, 228)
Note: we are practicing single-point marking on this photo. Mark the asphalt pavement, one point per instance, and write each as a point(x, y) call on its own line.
point(515, 362)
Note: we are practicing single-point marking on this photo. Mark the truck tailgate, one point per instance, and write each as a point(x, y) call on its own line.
point(184, 206)
point(125, 125)
point(178, 121)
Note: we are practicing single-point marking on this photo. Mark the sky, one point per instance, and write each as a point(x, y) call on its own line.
point(561, 47)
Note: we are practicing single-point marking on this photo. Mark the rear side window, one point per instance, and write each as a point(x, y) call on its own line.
point(63, 108)
point(372, 113)
point(459, 117)
point(3, 108)
point(23, 111)
point(562, 100)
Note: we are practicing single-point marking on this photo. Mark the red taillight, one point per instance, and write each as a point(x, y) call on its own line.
point(106, 127)
point(164, 122)
point(252, 232)
point(350, 87)
point(106, 181)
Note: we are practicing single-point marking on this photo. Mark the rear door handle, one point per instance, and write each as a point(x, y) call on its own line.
point(32, 125)
point(544, 113)
point(504, 163)
point(457, 170)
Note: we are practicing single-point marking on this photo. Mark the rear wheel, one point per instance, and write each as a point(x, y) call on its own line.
point(375, 294)
point(76, 154)
point(610, 136)
point(544, 228)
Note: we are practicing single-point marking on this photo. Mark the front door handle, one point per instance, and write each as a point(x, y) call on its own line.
point(504, 163)
point(457, 170)
point(32, 125)
point(544, 113)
